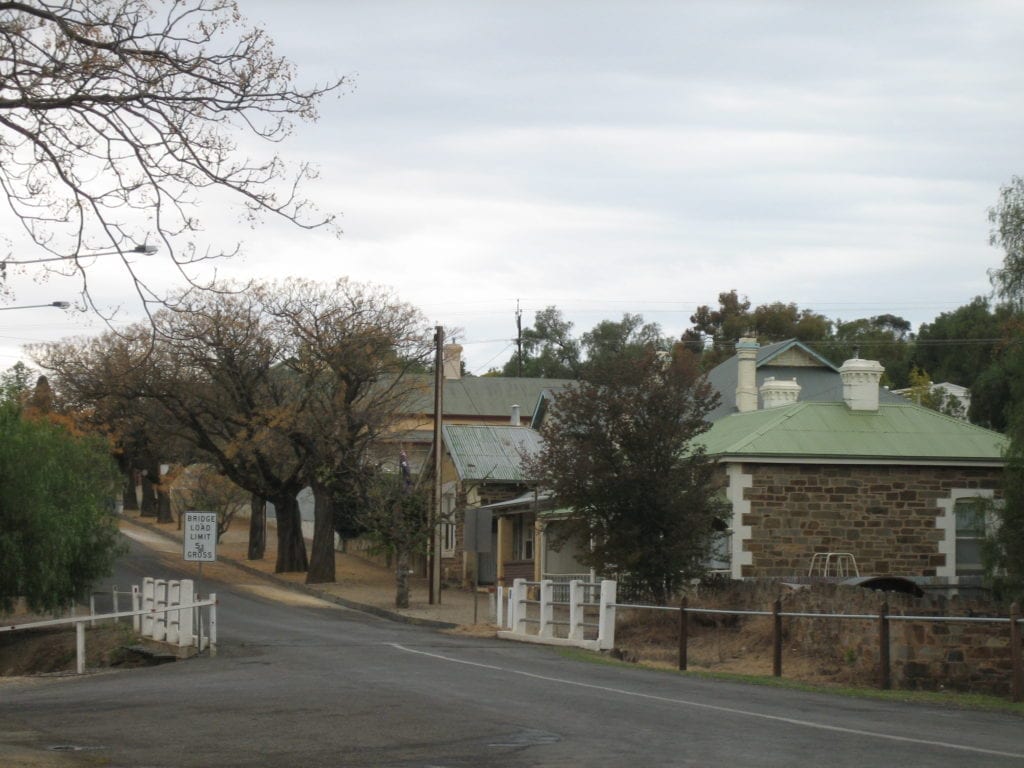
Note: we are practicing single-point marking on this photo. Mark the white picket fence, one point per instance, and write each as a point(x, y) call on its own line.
point(167, 611)
point(529, 612)
point(168, 614)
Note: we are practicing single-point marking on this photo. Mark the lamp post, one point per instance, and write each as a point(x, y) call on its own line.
point(57, 304)
point(145, 250)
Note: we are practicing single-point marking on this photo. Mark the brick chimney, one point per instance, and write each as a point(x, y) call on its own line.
point(746, 377)
point(776, 392)
point(860, 384)
point(453, 361)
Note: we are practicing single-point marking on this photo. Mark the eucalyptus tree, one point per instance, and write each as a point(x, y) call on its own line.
point(351, 349)
point(209, 379)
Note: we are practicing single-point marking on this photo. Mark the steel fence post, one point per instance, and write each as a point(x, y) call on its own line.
point(683, 633)
point(884, 676)
point(777, 637)
point(1015, 651)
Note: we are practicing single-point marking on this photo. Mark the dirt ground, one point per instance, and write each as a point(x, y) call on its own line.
point(52, 651)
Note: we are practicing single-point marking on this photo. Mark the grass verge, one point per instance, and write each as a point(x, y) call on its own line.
point(946, 699)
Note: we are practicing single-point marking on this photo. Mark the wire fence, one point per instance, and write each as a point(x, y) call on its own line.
point(883, 620)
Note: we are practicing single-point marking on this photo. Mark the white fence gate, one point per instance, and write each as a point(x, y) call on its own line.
point(529, 612)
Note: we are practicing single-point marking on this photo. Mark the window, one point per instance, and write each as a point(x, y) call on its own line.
point(970, 530)
point(522, 537)
point(448, 539)
point(448, 525)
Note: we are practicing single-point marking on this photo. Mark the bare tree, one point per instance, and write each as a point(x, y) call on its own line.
point(119, 117)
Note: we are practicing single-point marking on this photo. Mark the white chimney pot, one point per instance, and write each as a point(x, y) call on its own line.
point(860, 383)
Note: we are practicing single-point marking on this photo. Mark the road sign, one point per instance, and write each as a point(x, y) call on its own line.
point(200, 540)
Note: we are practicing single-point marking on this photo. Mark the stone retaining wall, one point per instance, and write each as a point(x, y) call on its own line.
point(925, 655)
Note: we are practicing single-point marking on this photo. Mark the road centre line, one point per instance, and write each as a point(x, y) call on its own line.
point(716, 708)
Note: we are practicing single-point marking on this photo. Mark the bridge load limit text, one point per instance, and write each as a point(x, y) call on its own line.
point(200, 537)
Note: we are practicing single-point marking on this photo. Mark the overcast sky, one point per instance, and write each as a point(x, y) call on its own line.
point(611, 157)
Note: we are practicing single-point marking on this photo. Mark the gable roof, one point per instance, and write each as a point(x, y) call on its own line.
point(818, 378)
point(485, 396)
point(490, 453)
point(824, 432)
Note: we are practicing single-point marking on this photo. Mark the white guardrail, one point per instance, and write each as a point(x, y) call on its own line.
point(528, 612)
point(162, 610)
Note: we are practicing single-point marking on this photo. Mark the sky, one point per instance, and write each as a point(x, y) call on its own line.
point(642, 157)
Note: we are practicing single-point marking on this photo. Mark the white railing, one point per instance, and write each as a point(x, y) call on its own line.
point(517, 613)
point(167, 611)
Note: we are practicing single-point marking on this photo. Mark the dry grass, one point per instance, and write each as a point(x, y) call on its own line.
point(732, 644)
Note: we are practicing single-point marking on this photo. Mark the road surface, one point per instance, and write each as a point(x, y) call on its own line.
point(301, 683)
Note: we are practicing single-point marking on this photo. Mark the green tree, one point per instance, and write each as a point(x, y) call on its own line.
point(548, 349)
point(958, 346)
point(618, 451)
point(119, 119)
point(629, 336)
point(57, 531)
point(779, 321)
point(715, 331)
point(885, 338)
point(1005, 561)
point(396, 517)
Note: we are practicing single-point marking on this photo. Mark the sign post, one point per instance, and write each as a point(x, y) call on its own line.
point(477, 539)
point(199, 542)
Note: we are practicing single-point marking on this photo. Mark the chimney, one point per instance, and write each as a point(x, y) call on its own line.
point(746, 378)
point(514, 421)
point(860, 384)
point(453, 361)
point(776, 393)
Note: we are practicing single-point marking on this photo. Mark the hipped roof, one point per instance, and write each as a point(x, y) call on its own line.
point(810, 431)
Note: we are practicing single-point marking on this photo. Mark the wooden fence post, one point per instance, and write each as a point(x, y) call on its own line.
point(683, 636)
point(884, 678)
point(1015, 650)
point(777, 637)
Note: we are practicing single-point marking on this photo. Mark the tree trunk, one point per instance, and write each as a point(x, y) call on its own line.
point(321, 565)
point(148, 505)
point(291, 549)
point(257, 528)
point(163, 506)
point(129, 490)
point(402, 579)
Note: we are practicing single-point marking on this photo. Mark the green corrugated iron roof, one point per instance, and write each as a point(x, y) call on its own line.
point(831, 430)
point(486, 396)
point(484, 452)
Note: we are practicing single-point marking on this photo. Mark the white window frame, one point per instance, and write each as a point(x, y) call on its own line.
point(522, 538)
point(449, 527)
point(946, 522)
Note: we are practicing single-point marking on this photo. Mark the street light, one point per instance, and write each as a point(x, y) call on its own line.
point(57, 304)
point(145, 250)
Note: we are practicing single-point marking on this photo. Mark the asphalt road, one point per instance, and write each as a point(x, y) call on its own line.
point(312, 684)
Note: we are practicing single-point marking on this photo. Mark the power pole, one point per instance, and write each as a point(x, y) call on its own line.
point(519, 340)
point(434, 560)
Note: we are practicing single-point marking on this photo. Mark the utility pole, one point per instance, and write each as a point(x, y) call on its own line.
point(434, 560)
point(519, 340)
